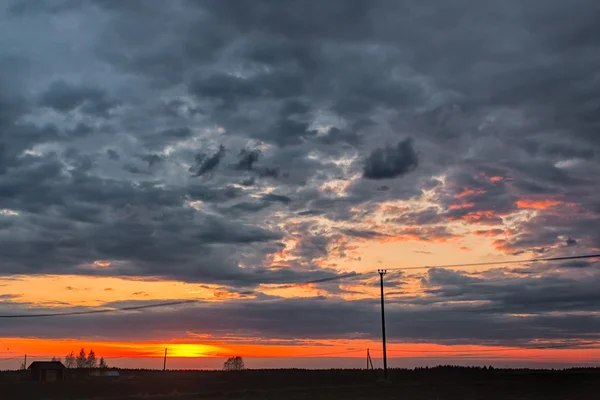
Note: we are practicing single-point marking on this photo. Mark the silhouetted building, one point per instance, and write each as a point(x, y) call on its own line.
point(47, 371)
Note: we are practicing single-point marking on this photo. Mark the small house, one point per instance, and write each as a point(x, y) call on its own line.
point(47, 371)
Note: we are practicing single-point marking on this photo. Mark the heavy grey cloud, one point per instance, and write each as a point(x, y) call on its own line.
point(247, 159)
point(151, 159)
point(205, 163)
point(390, 162)
point(65, 97)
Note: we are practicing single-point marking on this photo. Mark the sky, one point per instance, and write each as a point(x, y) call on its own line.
point(226, 151)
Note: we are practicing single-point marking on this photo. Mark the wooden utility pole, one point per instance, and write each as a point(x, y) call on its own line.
point(165, 363)
point(382, 272)
point(25, 362)
point(369, 361)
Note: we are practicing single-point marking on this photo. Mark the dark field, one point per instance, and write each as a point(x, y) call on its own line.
point(434, 384)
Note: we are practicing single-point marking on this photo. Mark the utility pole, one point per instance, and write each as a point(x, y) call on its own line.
point(382, 272)
point(165, 363)
point(25, 362)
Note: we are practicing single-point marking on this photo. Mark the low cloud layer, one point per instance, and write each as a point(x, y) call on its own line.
point(455, 308)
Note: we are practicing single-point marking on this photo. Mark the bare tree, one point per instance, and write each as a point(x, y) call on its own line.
point(234, 364)
point(70, 360)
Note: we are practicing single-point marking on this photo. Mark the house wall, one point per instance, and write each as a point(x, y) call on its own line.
point(47, 375)
point(35, 375)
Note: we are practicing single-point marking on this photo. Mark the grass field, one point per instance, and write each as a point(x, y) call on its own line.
point(434, 384)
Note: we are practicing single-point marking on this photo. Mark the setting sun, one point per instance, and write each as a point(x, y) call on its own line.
point(193, 350)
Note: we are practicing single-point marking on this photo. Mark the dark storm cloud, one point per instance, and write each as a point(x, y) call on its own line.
point(152, 159)
point(179, 108)
point(113, 155)
point(205, 163)
point(213, 194)
point(391, 162)
point(428, 216)
point(271, 197)
point(219, 231)
point(133, 169)
point(247, 159)
point(269, 173)
point(248, 181)
point(178, 133)
point(310, 213)
point(362, 234)
point(262, 203)
point(41, 7)
point(137, 225)
point(229, 90)
point(288, 132)
point(65, 97)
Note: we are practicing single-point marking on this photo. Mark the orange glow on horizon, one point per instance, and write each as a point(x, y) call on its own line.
point(42, 349)
point(57, 291)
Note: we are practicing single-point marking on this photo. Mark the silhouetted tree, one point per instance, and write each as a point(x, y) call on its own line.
point(91, 360)
point(234, 364)
point(102, 363)
point(70, 361)
point(81, 360)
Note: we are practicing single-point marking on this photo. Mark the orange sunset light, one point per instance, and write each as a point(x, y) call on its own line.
point(537, 204)
point(44, 349)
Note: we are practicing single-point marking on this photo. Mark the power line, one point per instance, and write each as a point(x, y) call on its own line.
point(332, 278)
point(321, 280)
point(107, 310)
point(500, 262)
point(355, 274)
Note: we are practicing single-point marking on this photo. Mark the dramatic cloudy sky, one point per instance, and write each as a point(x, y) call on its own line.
point(215, 150)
